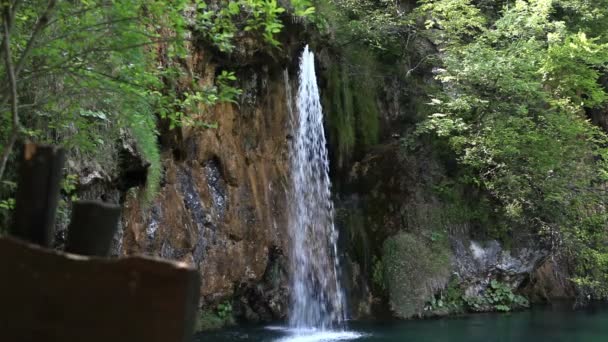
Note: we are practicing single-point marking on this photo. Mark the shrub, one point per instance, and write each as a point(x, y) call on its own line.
point(413, 269)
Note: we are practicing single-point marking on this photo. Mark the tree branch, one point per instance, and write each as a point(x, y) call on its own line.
point(12, 78)
point(40, 24)
point(7, 18)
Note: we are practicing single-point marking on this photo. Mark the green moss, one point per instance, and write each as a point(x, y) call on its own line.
point(378, 277)
point(209, 320)
point(143, 130)
point(367, 115)
point(358, 239)
point(350, 102)
point(414, 269)
point(214, 319)
point(339, 108)
point(365, 94)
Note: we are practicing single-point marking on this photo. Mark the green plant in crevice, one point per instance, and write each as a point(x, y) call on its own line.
point(215, 319)
point(7, 204)
point(450, 299)
point(69, 186)
point(378, 277)
point(224, 310)
point(208, 321)
point(499, 297)
point(143, 130)
point(6, 208)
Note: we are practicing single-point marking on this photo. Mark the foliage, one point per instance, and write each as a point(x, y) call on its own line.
point(89, 71)
point(224, 310)
point(499, 297)
point(380, 25)
point(87, 74)
point(69, 185)
point(516, 88)
point(378, 273)
point(7, 204)
point(303, 8)
point(450, 299)
point(413, 270)
point(456, 20)
point(221, 24)
point(216, 319)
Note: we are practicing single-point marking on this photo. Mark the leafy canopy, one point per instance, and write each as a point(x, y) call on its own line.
point(517, 88)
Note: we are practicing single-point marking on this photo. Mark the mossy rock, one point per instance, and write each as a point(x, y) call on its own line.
point(208, 320)
point(414, 270)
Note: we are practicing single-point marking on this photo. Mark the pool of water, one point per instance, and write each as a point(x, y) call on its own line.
point(555, 324)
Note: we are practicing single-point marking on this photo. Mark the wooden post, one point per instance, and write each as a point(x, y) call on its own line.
point(92, 228)
point(38, 194)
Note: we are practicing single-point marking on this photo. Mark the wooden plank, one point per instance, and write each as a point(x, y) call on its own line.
point(92, 228)
point(56, 297)
point(38, 194)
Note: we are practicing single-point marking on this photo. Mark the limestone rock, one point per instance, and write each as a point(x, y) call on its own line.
point(222, 205)
point(476, 263)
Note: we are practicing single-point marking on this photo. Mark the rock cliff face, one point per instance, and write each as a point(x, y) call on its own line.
point(420, 242)
point(222, 205)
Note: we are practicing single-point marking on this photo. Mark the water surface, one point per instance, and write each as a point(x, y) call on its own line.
point(537, 325)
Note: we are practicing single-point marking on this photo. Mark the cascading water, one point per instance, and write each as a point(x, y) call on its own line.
point(317, 299)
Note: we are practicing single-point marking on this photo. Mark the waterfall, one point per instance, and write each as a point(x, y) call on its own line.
point(316, 299)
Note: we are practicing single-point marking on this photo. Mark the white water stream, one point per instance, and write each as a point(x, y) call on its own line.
point(317, 298)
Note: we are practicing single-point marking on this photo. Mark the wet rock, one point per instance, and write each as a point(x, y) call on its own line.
point(549, 282)
point(222, 205)
point(266, 301)
point(476, 263)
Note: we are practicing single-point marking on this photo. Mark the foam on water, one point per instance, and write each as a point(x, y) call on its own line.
point(314, 335)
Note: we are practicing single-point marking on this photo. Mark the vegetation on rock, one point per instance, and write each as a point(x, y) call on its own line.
point(516, 84)
point(517, 87)
point(216, 319)
point(413, 270)
point(85, 74)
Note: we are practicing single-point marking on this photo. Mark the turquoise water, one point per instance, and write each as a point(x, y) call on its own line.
point(537, 325)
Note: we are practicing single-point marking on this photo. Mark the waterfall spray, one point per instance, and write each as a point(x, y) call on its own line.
point(317, 298)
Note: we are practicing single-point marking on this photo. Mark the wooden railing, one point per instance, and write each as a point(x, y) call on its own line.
point(80, 294)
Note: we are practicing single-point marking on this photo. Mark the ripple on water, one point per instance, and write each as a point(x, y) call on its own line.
point(314, 335)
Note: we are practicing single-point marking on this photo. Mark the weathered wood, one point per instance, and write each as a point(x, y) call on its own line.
point(56, 297)
point(92, 227)
point(38, 194)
